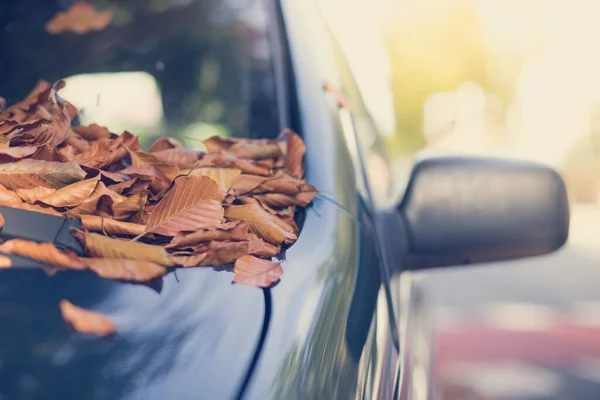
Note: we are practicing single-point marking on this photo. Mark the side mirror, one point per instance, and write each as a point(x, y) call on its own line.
point(462, 210)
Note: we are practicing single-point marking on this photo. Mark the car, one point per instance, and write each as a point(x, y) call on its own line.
point(347, 319)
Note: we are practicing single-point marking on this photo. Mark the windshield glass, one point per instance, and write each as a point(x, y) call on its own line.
point(188, 69)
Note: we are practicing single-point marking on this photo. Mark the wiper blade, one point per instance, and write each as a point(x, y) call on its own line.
point(38, 227)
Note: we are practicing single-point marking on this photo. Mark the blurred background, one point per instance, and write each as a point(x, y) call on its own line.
point(519, 78)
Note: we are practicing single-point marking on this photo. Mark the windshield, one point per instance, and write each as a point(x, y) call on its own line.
point(188, 69)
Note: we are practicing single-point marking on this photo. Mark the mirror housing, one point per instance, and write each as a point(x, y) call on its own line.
point(463, 210)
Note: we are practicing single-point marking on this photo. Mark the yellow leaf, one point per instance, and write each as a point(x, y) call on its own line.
point(102, 246)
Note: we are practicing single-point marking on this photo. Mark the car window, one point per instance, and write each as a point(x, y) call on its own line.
point(183, 68)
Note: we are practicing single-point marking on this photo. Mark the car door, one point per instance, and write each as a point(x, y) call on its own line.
point(329, 334)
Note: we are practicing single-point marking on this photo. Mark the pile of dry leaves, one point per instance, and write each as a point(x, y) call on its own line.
point(144, 212)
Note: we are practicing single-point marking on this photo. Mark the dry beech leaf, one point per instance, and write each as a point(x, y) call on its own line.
point(193, 202)
point(110, 226)
point(17, 152)
point(265, 225)
point(246, 183)
point(284, 184)
point(112, 176)
point(214, 254)
point(122, 186)
point(223, 176)
point(30, 100)
point(253, 271)
point(295, 153)
point(92, 132)
point(226, 252)
point(132, 208)
point(254, 149)
point(165, 143)
point(38, 208)
point(102, 246)
point(44, 252)
point(259, 247)
point(27, 174)
point(237, 230)
point(77, 142)
point(142, 159)
point(155, 175)
point(81, 18)
point(85, 321)
point(250, 168)
point(9, 198)
point(278, 200)
point(106, 151)
point(5, 262)
point(101, 202)
point(124, 269)
point(72, 195)
point(183, 158)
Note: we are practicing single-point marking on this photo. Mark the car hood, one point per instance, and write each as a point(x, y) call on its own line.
point(188, 335)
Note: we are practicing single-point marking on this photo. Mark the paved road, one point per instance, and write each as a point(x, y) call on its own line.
point(527, 329)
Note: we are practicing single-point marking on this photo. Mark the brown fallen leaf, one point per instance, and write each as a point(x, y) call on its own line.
point(27, 174)
point(250, 168)
point(124, 269)
point(111, 176)
point(259, 247)
point(1, 221)
point(237, 230)
point(265, 225)
point(284, 184)
point(85, 321)
point(188, 260)
point(253, 271)
point(9, 198)
point(5, 262)
point(17, 152)
point(65, 153)
point(25, 104)
point(214, 254)
point(105, 152)
point(223, 176)
point(71, 195)
point(254, 149)
point(44, 252)
point(102, 246)
point(77, 142)
point(245, 183)
point(122, 186)
point(226, 252)
point(295, 153)
point(101, 202)
point(38, 208)
point(155, 175)
point(142, 159)
point(193, 202)
point(108, 226)
point(165, 143)
point(278, 200)
point(182, 158)
point(92, 132)
point(81, 18)
point(132, 208)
